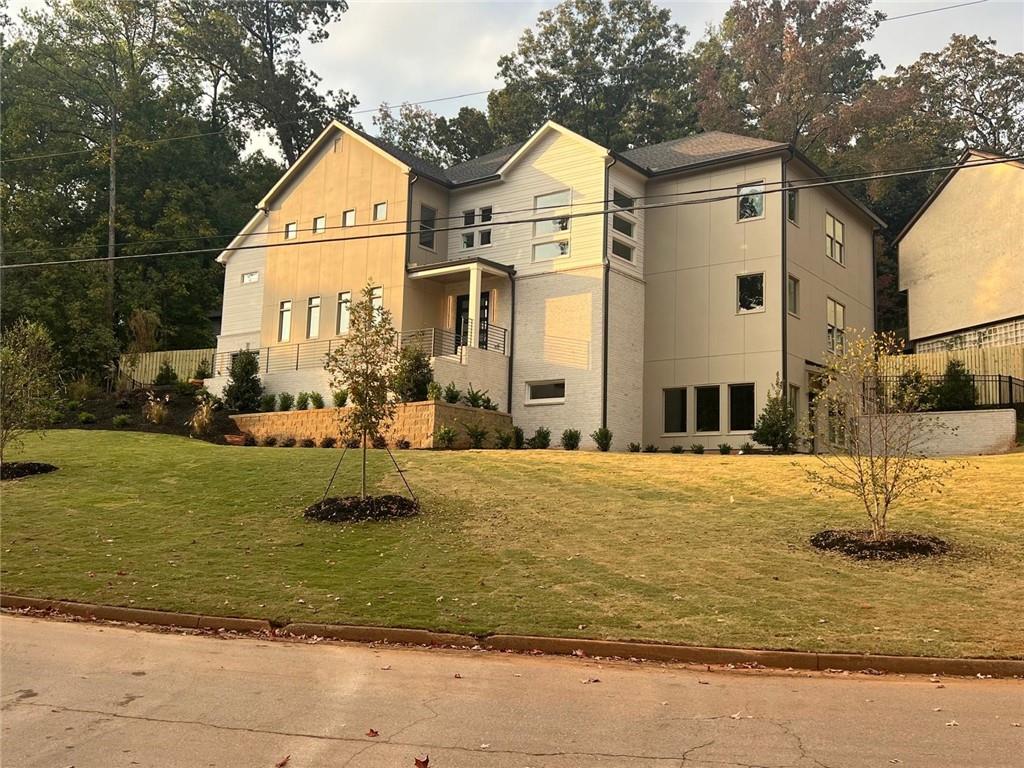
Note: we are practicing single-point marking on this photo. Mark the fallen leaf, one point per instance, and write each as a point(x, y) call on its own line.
point(283, 761)
point(590, 680)
point(485, 746)
point(952, 723)
point(372, 733)
point(704, 682)
point(386, 667)
point(937, 709)
point(458, 676)
point(423, 762)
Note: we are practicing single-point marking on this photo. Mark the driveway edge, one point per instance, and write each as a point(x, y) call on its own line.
point(687, 654)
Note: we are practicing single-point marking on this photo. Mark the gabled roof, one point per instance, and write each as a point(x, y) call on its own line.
point(237, 240)
point(964, 157)
point(483, 167)
point(697, 150)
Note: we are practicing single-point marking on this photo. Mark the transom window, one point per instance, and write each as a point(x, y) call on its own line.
point(622, 225)
point(750, 293)
point(284, 321)
point(428, 221)
point(319, 225)
point(313, 317)
point(621, 249)
point(750, 201)
point(348, 218)
point(250, 277)
point(835, 239)
point(835, 320)
point(623, 201)
point(793, 295)
point(675, 410)
point(380, 211)
point(291, 230)
point(545, 391)
point(548, 251)
point(344, 304)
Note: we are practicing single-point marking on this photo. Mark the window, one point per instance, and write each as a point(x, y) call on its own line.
point(622, 200)
point(319, 225)
point(792, 205)
point(750, 293)
point(707, 402)
point(741, 407)
point(291, 230)
point(348, 218)
point(623, 225)
point(835, 319)
point(750, 203)
point(675, 410)
point(549, 391)
point(313, 317)
point(548, 226)
point(548, 251)
point(793, 295)
point(485, 237)
point(551, 200)
point(250, 277)
point(469, 218)
point(542, 204)
point(344, 304)
point(377, 300)
point(380, 211)
point(485, 214)
point(284, 321)
point(794, 399)
point(467, 239)
point(428, 220)
point(622, 250)
point(835, 238)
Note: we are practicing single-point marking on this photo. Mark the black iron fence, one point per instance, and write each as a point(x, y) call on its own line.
point(989, 391)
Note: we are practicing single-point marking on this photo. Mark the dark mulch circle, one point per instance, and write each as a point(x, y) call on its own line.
point(12, 470)
point(352, 509)
point(896, 546)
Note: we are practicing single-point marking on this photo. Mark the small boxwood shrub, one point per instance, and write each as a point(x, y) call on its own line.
point(633, 447)
point(541, 439)
point(477, 434)
point(316, 400)
point(602, 437)
point(403, 444)
point(269, 441)
point(339, 397)
point(747, 447)
point(285, 401)
point(518, 438)
point(308, 442)
point(352, 442)
point(676, 449)
point(697, 448)
point(328, 442)
point(288, 442)
point(184, 389)
point(302, 401)
point(203, 370)
point(267, 402)
point(121, 421)
point(434, 391)
point(445, 437)
point(451, 393)
point(248, 439)
point(379, 442)
point(503, 439)
point(571, 439)
point(166, 375)
point(724, 448)
point(650, 448)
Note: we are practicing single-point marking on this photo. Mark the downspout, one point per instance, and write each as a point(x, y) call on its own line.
point(785, 280)
point(511, 334)
point(604, 301)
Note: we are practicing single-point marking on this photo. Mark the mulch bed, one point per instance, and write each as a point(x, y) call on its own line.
point(12, 470)
point(349, 509)
point(896, 546)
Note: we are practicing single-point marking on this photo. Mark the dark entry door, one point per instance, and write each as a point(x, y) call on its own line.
point(462, 319)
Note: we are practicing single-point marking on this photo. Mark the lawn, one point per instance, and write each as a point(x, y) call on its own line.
point(707, 550)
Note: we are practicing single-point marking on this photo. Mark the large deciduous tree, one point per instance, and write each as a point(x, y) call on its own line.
point(441, 140)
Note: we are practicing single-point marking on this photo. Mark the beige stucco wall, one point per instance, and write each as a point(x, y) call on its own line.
point(962, 263)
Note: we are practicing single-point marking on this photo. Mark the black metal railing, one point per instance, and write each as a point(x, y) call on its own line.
point(990, 390)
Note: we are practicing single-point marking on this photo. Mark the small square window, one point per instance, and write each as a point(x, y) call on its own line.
point(380, 211)
point(792, 205)
point(291, 230)
point(708, 407)
point(548, 251)
point(675, 410)
point(741, 407)
point(319, 225)
point(622, 250)
point(348, 218)
point(468, 218)
point(485, 237)
point(540, 391)
point(793, 295)
point(485, 214)
point(623, 226)
point(750, 201)
point(750, 293)
point(467, 240)
point(250, 277)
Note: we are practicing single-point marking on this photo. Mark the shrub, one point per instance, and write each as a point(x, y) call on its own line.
point(602, 437)
point(243, 390)
point(413, 375)
point(776, 424)
point(747, 447)
point(571, 439)
point(81, 389)
point(518, 438)
point(650, 448)
point(155, 410)
point(697, 448)
point(503, 439)
point(339, 397)
point(403, 444)
point(912, 392)
point(269, 441)
point(166, 375)
point(302, 401)
point(633, 447)
point(328, 442)
point(353, 442)
point(434, 391)
point(379, 442)
point(121, 421)
point(308, 442)
point(285, 401)
point(956, 392)
point(451, 393)
point(201, 423)
point(474, 398)
point(28, 382)
point(724, 448)
point(541, 439)
point(477, 435)
point(203, 370)
point(288, 442)
point(445, 437)
point(184, 389)
point(316, 400)
point(267, 402)
point(248, 439)
point(676, 449)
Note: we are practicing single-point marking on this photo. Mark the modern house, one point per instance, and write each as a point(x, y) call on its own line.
point(961, 259)
point(658, 291)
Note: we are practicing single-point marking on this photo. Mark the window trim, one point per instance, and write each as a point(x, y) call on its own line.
point(696, 412)
point(530, 400)
point(344, 215)
point(739, 200)
point(291, 230)
point(377, 298)
point(284, 331)
point(322, 227)
point(310, 306)
point(753, 389)
point(378, 206)
point(664, 416)
point(795, 309)
point(347, 303)
point(756, 310)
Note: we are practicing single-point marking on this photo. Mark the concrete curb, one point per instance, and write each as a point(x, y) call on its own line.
point(687, 654)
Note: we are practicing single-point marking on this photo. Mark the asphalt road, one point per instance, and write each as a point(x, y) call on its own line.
point(87, 695)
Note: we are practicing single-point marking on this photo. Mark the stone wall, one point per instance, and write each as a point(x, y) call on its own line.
point(415, 422)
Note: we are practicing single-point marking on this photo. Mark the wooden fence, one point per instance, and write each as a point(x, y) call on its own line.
point(183, 361)
point(1004, 361)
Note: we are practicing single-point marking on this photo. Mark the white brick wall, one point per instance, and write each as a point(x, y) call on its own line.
point(967, 433)
point(625, 359)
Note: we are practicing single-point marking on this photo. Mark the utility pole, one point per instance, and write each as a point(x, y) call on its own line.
point(111, 214)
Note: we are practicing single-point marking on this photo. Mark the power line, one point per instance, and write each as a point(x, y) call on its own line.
point(584, 214)
point(933, 10)
point(841, 177)
point(128, 143)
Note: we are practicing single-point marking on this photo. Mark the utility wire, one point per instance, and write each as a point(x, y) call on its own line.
point(533, 220)
point(933, 10)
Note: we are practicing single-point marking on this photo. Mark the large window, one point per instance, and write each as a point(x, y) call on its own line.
point(545, 391)
point(291, 230)
point(793, 295)
point(545, 205)
point(380, 211)
point(548, 251)
point(428, 221)
point(284, 321)
point(750, 293)
point(348, 218)
point(319, 225)
point(344, 304)
point(675, 410)
point(750, 201)
point(741, 407)
point(708, 406)
point(835, 239)
point(835, 321)
point(313, 317)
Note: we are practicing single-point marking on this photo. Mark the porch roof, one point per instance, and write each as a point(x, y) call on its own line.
point(444, 268)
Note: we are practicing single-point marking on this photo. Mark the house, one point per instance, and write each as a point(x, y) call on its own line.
point(961, 259)
point(657, 291)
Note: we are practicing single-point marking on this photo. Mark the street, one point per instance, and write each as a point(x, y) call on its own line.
point(93, 695)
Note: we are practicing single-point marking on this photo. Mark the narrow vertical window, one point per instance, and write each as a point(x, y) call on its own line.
point(377, 300)
point(428, 220)
point(469, 218)
point(835, 239)
point(284, 321)
point(348, 218)
point(792, 205)
point(793, 295)
point(313, 317)
point(675, 410)
point(835, 321)
point(708, 409)
point(344, 303)
point(741, 407)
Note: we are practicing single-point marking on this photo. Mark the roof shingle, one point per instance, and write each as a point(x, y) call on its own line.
point(701, 148)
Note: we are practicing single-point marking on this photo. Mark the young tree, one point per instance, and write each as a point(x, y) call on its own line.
point(244, 389)
point(776, 425)
point(873, 445)
point(28, 382)
point(364, 363)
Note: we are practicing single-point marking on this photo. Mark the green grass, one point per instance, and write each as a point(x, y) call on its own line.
point(707, 550)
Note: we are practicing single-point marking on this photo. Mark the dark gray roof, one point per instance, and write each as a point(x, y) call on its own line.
point(699, 149)
point(483, 166)
point(418, 164)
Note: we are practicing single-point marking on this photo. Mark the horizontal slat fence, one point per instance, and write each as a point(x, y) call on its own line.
point(1003, 361)
point(183, 361)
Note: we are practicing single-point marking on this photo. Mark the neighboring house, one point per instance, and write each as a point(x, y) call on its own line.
point(961, 259)
point(662, 304)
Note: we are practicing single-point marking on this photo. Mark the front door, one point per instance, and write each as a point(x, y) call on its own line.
point(462, 319)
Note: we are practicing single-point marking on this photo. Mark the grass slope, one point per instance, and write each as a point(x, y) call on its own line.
point(694, 549)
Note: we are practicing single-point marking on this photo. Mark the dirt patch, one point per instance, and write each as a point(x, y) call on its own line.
point(347, 509)
point(12, 470)
point(896, 546)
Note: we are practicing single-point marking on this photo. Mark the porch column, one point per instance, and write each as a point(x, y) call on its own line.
point(475, 278)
